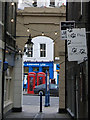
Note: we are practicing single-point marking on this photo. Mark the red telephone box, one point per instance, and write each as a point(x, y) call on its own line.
point(31, 82)
point(40, 78)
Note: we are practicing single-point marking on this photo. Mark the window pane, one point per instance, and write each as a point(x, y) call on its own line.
point(42, 50)
point(35, 68)
point(44, 53)
point(44, 46)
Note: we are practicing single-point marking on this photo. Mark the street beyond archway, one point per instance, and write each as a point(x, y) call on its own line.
point(31, 104)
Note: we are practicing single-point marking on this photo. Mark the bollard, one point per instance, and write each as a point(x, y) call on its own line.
point(48, 98)
point(46, 94)
point(40, 102)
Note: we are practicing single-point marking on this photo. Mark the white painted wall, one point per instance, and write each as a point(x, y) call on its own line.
point(36, 49)
point(55, 73)
point(40, 3)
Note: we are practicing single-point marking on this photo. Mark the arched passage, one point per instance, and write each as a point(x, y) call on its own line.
point(49, 23)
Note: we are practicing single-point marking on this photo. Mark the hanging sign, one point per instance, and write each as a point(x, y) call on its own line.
point(76, 44)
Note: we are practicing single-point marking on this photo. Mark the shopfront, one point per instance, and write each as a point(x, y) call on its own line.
point(38, 67)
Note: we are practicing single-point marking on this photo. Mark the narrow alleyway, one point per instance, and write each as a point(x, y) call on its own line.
point(31, 109)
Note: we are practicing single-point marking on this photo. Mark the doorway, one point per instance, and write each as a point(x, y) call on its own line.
point(44, 69)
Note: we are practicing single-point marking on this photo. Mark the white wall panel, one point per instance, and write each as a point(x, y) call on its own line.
point(36, 49)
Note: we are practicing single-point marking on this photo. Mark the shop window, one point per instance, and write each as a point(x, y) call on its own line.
point(44, 69)
point(26, 69)
point(35, 68)
point(42, 50)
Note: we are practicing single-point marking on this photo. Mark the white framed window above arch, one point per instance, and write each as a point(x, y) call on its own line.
point(43, 49)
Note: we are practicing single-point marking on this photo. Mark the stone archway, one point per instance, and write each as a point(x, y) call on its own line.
point(40, 20)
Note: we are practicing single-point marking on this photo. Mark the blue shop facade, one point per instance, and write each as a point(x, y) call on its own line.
point(38, 67)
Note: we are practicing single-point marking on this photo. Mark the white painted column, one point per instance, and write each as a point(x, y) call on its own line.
point(17, 92)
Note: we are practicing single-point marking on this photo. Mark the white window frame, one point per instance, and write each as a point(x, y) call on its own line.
point(43, 50)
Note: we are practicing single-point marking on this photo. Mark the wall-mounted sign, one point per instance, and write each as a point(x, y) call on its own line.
point(64, 34)
point(64, 25)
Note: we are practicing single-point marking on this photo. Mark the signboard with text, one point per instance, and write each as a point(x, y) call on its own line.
point(64, 25)
point(76, 44)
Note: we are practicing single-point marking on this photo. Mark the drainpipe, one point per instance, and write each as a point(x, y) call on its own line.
point(66, 59)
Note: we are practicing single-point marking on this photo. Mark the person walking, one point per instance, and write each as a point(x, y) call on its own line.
point(25, 83)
